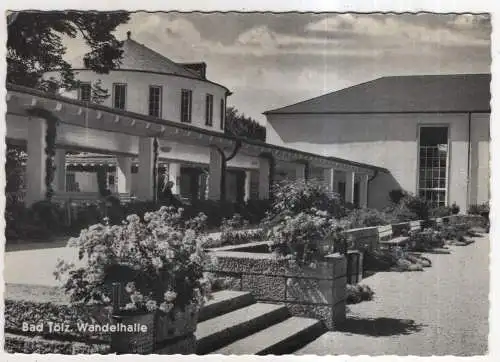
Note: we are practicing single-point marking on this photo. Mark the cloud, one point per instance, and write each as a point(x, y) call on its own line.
point(398, 28)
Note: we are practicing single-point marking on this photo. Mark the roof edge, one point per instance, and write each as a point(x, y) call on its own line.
point(36, 92)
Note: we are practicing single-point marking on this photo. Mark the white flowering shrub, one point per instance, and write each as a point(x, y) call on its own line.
point(307, 236)
point(159, 261)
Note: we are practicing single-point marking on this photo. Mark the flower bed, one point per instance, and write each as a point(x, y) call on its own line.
point(149, 270)
point(317, 290)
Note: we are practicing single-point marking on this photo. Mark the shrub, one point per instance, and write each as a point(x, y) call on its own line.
point(479, 209)
point(397, 195)
point(359, 218)
point(307, 236)
point(455, 209)
point(426, 239)
point(408, 207)
point(160, 261)
point(293, 197)
point(358, 293)
point(441, 211)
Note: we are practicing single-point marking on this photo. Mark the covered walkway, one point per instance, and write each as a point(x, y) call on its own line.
point(129, 140)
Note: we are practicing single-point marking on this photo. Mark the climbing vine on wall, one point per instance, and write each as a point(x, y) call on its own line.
point(155, 169)
point(50, 147)
point(50, 152)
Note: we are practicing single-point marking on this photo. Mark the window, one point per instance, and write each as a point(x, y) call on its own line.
point(433, 165)
point(155, 101)
point(85, 92)
point(222, 113)
point(209, 110)
point(186, 105)
point(119, 95)
point(111, 180)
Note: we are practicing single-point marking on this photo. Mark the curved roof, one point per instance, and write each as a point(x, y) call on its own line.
point(403, 94)
point(138, 57)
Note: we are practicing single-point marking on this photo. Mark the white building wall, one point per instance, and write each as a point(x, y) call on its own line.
point(389, 140)
point(480, 159)
point(137, 94)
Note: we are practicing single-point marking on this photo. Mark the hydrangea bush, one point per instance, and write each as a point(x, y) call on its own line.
point(159, 261)
point(307, 236)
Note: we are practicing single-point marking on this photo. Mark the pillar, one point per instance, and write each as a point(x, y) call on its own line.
point(300, 171)
point(60, 172)
point(264, 177)
point(124, 175)
point(363, 191)
point(215, 171)
point(174, 175)
point(247, 188)
point(146, 164)
point(349, 186)
point(329, 178)
point(35, 164)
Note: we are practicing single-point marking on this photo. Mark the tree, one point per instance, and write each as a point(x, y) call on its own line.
point(239, 125)
point(99, 94)
point(35, 45)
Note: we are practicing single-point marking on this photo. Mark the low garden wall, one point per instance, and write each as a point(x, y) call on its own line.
point(316, 292)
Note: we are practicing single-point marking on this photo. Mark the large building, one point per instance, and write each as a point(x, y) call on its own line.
point(431, 132)
point(161, 118)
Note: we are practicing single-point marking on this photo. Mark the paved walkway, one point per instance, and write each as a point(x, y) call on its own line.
point(34, 262)
point(440, 311)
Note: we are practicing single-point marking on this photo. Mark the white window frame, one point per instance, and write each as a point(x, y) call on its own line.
point(160, 100)
point(124, 85)
point(187, 117)
point(80, 91)
point(209, 110)
point(448, 152)
point(222, 120)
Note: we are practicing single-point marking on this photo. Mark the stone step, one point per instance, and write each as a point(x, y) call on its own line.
point(282, 338)
point(220, 331)
point(224, 301)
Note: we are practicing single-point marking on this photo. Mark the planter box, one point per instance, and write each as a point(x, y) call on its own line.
point(364, 239)
point(354, 266)
point(315, 292)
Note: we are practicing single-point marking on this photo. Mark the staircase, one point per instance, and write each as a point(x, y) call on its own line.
point(234, 323)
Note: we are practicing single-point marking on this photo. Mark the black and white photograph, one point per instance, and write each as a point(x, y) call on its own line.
point(247, 183)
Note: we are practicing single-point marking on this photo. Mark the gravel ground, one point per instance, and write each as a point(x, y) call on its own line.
point(440, 311)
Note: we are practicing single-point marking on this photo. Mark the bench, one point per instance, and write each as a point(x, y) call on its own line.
point(386, 239)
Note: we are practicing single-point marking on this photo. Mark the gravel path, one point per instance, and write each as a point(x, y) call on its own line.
point(440, 311)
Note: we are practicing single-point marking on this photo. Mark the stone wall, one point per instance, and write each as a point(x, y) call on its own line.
point(315, 292)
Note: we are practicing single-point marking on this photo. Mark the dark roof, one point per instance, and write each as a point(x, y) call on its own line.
point(140, 58)
point(137, 56)
point(403, 94)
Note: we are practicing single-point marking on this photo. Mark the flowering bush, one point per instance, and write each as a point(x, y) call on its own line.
point(479, 209)
point(301, 195)
point(368, 217)
point(307, 236)
point(159, 261)
point(426, 239)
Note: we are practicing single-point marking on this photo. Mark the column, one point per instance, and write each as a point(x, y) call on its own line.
point(124, 175)
point(215, 171)
point(35, 164)
point(146, 165)
point(174, 175)
point(247, 189)
point(60, 172)
point(264, 175)
point(349, 186)
point(363, 191)
point(329, 177)
point(300, 171)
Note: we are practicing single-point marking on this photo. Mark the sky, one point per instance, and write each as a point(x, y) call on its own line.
point(271, 60)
